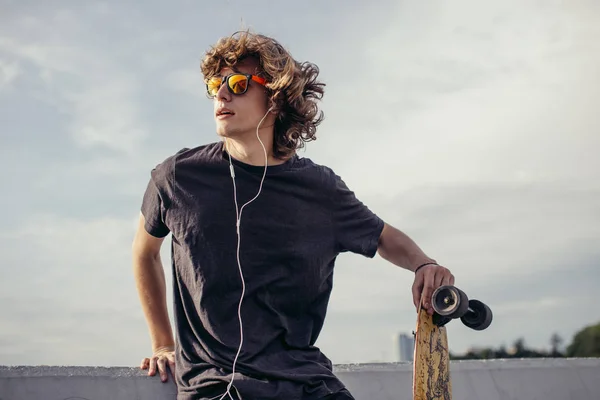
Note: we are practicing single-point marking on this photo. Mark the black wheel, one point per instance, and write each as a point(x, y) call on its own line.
point(450, 302)
point(479, 316)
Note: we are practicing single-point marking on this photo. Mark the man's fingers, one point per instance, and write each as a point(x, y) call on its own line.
point(172, 367)
point(417, 288)
point(152, 368)
point(144, 363)
point(439, 280)
point(428, 281)
point(448, 279)
point(162, 368)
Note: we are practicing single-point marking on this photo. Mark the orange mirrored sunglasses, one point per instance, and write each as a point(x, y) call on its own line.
point(237, 83)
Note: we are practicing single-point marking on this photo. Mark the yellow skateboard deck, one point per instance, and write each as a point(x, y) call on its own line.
point(431, 364)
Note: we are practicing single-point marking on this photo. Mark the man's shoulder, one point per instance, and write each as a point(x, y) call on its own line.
point(198, 155)
point(316, 166)
point(318, 172)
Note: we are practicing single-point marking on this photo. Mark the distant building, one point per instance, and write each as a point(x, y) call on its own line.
point(405, 345)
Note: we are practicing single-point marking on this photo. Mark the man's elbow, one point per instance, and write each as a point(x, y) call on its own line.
point(385, 241)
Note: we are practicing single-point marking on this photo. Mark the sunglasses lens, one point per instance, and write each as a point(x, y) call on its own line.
point(213, 86)
point(238, 83)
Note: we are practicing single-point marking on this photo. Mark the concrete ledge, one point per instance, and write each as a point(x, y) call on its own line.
point(524, 379)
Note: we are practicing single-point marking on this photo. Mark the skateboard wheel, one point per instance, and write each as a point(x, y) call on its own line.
point(449, 301)
point(479, 316)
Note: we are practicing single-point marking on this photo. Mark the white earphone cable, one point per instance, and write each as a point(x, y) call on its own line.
point(238, 225)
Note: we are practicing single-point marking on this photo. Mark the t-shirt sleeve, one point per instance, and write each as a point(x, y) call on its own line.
point(357, 228)
point(156, 200)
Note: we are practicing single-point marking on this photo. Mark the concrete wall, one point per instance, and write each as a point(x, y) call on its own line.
point(548, 379)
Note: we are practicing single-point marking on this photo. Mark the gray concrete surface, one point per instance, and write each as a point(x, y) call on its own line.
point(529, 379)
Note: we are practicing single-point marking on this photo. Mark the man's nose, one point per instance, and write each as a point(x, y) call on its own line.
point(223, 93)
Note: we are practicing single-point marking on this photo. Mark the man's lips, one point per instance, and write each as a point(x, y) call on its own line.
point(224, 112)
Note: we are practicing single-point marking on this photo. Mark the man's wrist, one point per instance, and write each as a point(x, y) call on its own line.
point(159, 349)
point(424, 264)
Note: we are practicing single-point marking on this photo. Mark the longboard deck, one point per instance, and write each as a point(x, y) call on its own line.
point(431, 365)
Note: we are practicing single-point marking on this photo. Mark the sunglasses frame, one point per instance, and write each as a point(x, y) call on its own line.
point(225, 81)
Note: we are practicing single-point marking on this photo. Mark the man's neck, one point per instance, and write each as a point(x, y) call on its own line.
point(249, 150)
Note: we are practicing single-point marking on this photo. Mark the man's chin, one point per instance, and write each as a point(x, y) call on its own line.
point(224, 133)
point(229, 133)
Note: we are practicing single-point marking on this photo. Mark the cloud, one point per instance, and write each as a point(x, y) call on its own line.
point(9, 71)
point(93, 90)
point(74, 248)
point(187, 80)
point(450, 98)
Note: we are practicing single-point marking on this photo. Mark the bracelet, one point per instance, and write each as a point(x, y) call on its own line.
point(422, 265)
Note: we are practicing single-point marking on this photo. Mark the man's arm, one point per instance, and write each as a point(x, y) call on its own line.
point(399, 249)
point(150, 282)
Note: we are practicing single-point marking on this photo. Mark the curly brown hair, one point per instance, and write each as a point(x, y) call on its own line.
point(292, 86)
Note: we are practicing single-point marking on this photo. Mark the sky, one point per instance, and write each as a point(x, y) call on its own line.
point(470, 126)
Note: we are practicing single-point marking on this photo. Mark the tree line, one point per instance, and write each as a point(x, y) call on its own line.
point(585, 343)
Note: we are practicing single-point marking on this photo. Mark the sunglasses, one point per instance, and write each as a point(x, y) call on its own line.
point(237, 83)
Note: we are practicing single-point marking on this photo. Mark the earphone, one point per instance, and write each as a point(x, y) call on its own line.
point(238, 224)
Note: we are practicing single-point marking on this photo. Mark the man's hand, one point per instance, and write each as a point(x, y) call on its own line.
point(427, 279)
point(162, 357)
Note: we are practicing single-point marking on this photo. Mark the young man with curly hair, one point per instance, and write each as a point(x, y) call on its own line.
point(256, 230)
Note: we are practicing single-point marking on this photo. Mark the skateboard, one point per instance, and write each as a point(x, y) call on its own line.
point(431, 362)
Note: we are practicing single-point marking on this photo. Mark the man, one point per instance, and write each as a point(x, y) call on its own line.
point(256, 230)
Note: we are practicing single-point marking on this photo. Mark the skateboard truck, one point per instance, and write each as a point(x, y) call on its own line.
point(439, 320)
point(449, 302)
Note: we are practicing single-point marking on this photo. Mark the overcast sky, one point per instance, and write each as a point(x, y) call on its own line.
point(472, 126)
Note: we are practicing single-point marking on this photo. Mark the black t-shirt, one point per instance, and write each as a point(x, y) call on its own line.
point(291, 235)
